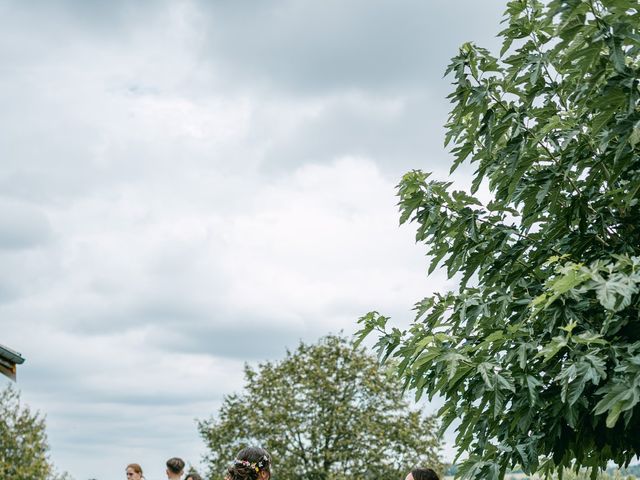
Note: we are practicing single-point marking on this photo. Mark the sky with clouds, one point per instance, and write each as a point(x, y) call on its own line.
point(186, 186)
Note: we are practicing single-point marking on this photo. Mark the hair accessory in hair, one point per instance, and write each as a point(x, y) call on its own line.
point(256, 466)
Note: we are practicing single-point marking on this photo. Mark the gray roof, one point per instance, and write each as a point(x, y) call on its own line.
point(11, 355)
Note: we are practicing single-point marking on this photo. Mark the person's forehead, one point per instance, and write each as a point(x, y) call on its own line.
point(409, 477)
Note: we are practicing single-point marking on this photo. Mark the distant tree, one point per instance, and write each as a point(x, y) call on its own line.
point(537, 352)
point(24, 450)
point(610, 474)
point(326, 411)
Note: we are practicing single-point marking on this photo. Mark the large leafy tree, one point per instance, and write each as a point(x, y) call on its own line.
point(24, 450)
point(326, 411)
point(537, 353)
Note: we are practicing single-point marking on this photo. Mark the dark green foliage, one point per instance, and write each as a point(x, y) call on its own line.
point(538, 351)
point(23, 441)
point(325, 412)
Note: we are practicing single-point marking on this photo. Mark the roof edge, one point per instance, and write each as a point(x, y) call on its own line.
point(11, 355)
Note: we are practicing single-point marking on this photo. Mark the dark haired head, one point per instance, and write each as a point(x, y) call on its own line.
point(249, 464)
point(192, 476)
point(175, 465)
point(424, 474)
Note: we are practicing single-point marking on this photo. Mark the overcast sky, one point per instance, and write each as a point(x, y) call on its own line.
point(188, 186)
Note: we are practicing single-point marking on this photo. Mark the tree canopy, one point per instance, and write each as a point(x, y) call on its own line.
point(326, 411)
point(24, 450)
point(537, 352)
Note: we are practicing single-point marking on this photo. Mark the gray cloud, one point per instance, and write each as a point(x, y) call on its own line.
point(334, 45)
point(190, 185)
point(23, 226)
point(399, 134)
point(247, 339)
point(104, 22)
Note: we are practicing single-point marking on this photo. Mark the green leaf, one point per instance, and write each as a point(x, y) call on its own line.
point(615, 293)
point(618, 398)
point(545, 278)
point(634, 138)
point(552, 348)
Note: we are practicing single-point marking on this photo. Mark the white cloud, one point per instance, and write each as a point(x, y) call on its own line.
point(171, 210)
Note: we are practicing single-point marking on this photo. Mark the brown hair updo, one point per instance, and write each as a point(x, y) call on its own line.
point(424, 474)
point(249, 463)
point(136, 468)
